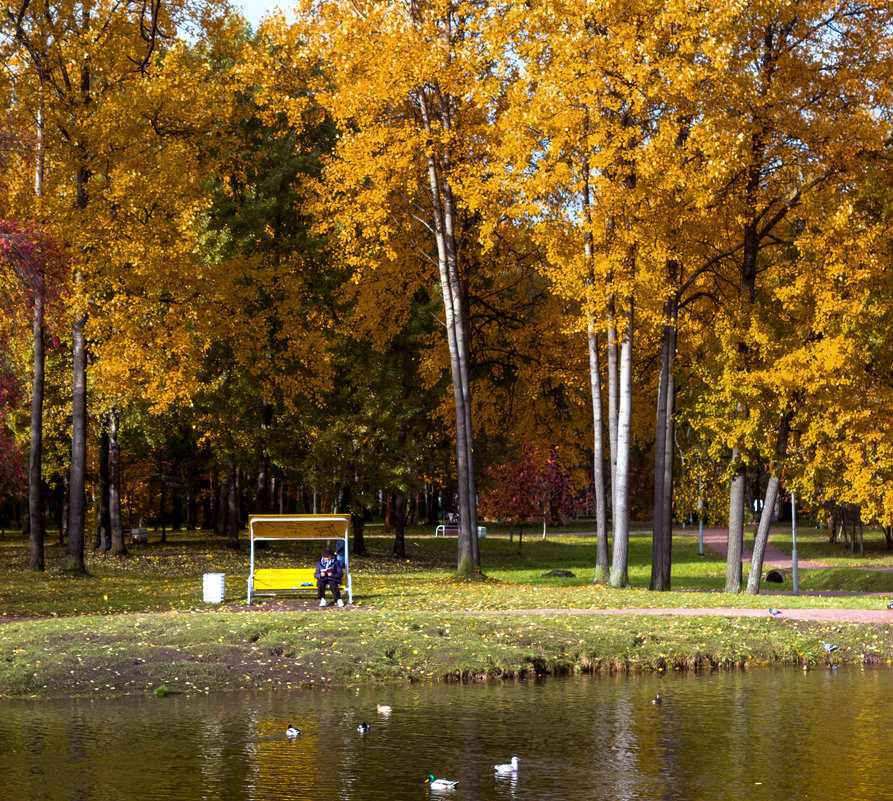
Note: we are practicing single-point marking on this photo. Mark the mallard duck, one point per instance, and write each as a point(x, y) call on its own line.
point(440, 784)
point(291, 732)
point(363, 727)
point(511, 767)
point(383, 709)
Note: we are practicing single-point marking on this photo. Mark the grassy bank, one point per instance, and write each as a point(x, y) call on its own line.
point(92, 655)
point(136, 623)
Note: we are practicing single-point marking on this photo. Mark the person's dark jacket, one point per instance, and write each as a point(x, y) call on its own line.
point(325, 564)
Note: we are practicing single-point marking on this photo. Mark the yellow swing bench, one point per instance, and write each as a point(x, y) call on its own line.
point(297, 580)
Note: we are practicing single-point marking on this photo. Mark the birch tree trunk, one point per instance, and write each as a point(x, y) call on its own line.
point(602, 562)
point(762, 536)
point(736, 526)
point(613, 393)
point(620, 563)
point(456, 314)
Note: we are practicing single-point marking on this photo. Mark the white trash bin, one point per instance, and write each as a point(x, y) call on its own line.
point(482, 532)
point(213, 588)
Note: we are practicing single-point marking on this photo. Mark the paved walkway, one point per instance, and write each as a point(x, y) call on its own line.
point(716, 539)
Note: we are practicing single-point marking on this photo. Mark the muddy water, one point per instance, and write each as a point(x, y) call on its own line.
point(765, 734)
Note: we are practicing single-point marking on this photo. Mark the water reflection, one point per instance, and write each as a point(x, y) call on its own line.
point(769, 734)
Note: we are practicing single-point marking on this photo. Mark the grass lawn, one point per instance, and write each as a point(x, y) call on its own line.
point(165, 577)
point(136, 623)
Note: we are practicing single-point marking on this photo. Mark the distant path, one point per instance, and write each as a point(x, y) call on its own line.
point(716, 539)
point(882, 615)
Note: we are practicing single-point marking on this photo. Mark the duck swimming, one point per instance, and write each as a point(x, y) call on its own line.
point(657, 699)
point(291, 732)
point(511, 767)
point(383, 709)
point(363, 727)
point(440, 784)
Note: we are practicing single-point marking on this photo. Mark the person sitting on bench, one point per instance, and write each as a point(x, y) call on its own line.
point(328, 573)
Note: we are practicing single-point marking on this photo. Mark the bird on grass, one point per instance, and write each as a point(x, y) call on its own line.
point(829, 647)
point(657, 700)
point(511, 767)
point(440, 784)
point(774, 612)
point(291, 732)
point(890, 605)
point(363, 727)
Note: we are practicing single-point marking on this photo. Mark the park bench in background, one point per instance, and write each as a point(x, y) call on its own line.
point(453, 528)
point(295, 580)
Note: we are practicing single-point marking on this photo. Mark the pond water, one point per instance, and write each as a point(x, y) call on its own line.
point(767, 734)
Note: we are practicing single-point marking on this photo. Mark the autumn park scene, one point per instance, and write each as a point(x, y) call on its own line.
point(604, 289)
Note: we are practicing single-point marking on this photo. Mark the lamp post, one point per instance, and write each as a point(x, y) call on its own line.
point(700, 520)
point(794, 544)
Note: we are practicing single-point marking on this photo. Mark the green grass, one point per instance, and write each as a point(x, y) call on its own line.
point(168, 577)
point(195, 653)
point(412, 619)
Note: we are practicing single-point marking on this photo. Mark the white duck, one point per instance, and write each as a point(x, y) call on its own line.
point(440, 784)
point(291, 732)
point(511, 767)
point(383, 709)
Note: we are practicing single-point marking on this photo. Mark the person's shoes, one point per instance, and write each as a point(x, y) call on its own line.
point(340, 602)
point(322, 602)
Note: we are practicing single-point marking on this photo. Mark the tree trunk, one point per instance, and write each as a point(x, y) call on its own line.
point(162, 509)
point(602, 557)
point(263, 496)
point(74, 555)
point(761, 539)
point(620, 563)
point(221, 526)
point(399, 525)
point(613, 394)
point(118, 546)
point(232, 511)
point(103, 519)
point(736, 526)
point(77, 504)
point(455, 301)
point(359, 541)
point(662, 515)
point(35, 463)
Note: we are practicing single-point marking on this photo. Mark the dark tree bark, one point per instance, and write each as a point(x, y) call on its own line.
point(232, 512)
point(77, 504)
point(119, 548)
point(103, 517)
point(399, 525)
point(35, 463)
point(662, 516)
point(263, 495)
